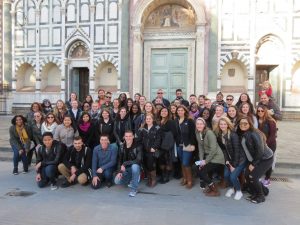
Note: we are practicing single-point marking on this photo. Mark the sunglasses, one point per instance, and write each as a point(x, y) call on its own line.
point(229, 99)
point(50, 117)
point(159, 93)
point(107, 96)
point(244, 124)
point(260, 111)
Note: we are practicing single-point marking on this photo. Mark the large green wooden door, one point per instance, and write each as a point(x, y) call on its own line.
point(168, 71)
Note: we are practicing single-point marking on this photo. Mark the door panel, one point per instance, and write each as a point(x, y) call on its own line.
point(168, 71)
point(80, 82)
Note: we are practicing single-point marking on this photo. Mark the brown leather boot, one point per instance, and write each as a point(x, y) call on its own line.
point(213, 191)
point(183, 179)
point(153, 178)
point(189, 177)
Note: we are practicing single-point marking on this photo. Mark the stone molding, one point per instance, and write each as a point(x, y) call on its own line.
point(234, 55)
point(50, 59)
point(106, 58)
point(23, 60)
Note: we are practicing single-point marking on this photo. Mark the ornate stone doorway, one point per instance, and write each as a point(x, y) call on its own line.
point(78, 65)
point(162, 25)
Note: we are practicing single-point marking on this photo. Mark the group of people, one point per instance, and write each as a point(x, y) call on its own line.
point(125, 140)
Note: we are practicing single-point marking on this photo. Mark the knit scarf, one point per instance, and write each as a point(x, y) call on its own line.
point(85, 126)
point(22, 134)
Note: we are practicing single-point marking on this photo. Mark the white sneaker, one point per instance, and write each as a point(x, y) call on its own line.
point(238, 195)
point(229, 192)
point(53, 187)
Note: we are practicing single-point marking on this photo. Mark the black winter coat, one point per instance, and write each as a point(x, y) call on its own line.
point(149, 138)
point(232, 149)
point(105, 128)
point(255, 146)
point(82, 160)
point(186, 132)
point(53, 157)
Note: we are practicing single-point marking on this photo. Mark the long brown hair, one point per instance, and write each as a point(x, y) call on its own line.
point(186, 112)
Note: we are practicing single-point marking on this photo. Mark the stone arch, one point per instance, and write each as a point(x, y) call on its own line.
point(25, 78)
point(23, 60)
point(75, 42)
point(233, 77)
point(237, 56)
point(50, 59)
point(146, 6)
point(50, 77)
point(106, 76)
point(106, 58)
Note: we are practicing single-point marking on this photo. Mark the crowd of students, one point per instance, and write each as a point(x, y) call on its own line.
point(124, 140)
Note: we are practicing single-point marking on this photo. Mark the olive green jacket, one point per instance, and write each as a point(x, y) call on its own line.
point(208, 148)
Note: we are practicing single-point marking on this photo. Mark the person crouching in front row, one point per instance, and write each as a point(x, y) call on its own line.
point(77, 164)
point(130, 163)
point(48, 157)
point(103, 162)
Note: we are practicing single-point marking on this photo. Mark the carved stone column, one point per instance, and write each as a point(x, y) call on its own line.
point(91, 66)
point(37, 53)
point(63, 67)
point(137, 60)
point(201, 87)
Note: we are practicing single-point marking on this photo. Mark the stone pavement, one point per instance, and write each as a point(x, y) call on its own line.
point(287, 158)
point(163, 205)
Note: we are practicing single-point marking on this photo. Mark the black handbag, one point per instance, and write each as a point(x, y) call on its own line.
point(167, 140)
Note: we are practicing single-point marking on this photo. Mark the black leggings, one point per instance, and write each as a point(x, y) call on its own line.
point(269, 171)
point(150, 161)
point(209, 168)
point(252, 177)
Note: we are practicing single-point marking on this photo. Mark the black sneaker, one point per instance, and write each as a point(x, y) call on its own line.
point(202, 184)
point(65, 184)
point(25, 171)
point(15, 171)
point(109, 184)
point(258, 199)
point(250, 197)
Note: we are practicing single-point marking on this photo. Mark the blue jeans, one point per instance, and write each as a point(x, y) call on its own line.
point(48, 173)
point(232, 177)
point(184, 156)
point(106, 175)
point(130, 175)
point(17, 158)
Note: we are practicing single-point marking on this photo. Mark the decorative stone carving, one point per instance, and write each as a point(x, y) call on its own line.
point(171, 16)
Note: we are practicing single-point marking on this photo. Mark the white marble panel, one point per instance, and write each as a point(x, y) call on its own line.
point(56, 36)
point(99, 34)
point(99, 11)
point(44, 15)
point(227, 29)
point(71, 13)
point(44, 37)
point(56, 14)
point(19, 38)
point(31, 16)
point(113, 33)
point(31, 37)
point(113, 10)
point(85, 13)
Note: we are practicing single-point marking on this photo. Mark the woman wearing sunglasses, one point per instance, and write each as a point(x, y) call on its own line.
point(50, 123)
point(259, 158)
point(267, 125)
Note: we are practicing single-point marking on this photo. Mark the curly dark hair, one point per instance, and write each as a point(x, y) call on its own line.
point(13, 121)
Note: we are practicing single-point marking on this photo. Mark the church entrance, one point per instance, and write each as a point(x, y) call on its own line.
point(80, 82)
point(168, 71)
